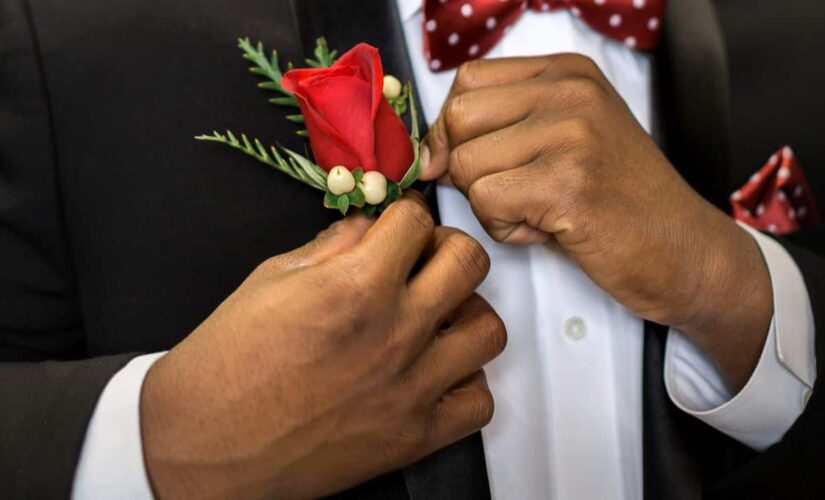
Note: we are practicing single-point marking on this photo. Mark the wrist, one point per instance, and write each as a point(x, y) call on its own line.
point(732, 308)
point(163, 443)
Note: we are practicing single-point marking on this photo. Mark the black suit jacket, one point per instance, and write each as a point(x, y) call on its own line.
point(119, 233)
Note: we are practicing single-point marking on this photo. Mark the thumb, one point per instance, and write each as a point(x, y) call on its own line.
point(337, 238)
point(435, 152)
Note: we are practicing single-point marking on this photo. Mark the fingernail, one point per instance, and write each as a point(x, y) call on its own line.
point(425, 158)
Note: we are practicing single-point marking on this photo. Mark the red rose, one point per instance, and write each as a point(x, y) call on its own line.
point(349, 121)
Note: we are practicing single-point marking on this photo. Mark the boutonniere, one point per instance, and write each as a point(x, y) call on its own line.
point(361, 152)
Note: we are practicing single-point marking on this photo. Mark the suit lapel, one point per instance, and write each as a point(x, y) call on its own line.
point(692, 97)
point(691, 92)
point(458, 471)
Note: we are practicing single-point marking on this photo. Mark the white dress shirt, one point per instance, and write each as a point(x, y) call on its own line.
point(568, 388)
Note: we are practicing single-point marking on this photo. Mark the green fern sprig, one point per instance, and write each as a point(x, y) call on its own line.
point(324, 58)
point(294, 165)
point(269, 68)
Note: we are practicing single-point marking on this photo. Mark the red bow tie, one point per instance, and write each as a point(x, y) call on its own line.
point(456, 31)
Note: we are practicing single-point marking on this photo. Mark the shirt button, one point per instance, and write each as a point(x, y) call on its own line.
point(575, 328)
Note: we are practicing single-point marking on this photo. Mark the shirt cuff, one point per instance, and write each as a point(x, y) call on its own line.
point(778, 390)
point(111, 461)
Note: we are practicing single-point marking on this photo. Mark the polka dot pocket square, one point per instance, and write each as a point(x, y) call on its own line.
point(777, 198)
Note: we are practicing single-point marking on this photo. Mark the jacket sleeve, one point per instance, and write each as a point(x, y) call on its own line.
point(46, 395)
point(792, 468)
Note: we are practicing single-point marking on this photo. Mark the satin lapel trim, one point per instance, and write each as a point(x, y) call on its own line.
point(458, 471)
point(692, 97)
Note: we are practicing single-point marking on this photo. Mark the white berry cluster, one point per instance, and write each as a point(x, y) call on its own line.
point(373, 184)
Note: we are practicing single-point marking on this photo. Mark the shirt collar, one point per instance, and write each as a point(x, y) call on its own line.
point(408, 8)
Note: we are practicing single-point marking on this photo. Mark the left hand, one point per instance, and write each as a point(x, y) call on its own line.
point(546, 150)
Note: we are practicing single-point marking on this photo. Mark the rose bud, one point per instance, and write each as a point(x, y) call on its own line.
point(340, 181)
point(374, 186)
point(348, 119)
point(392, 87)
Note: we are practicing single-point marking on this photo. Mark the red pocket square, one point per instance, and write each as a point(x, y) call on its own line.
point(777, 199)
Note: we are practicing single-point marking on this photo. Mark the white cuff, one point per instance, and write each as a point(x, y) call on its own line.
point(778, 390)
point(111, 462)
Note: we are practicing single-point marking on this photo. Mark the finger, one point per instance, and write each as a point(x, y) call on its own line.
point(521, 206)
point(480, 96)
point(457, 265)
point(462, 411)
point(471, 76)
point(512, 147)
point(398, 237)
point(338, 237)
point(482, 73)
point(476, 336)
point(481, 111)
point(472, 114)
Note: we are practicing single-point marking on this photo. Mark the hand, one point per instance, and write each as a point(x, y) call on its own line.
point(328, 365)
point(545, 149)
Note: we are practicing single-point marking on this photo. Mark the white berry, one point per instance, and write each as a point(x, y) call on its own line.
point(374, 186)
point(340, 181)
point(392, 87)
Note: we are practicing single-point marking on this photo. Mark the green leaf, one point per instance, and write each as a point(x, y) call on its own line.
point(393, 192)
point(414, 172)
point(296, 118)
point(302, 133)
point(358, 174)
point(369, 210)
point(399, 103)
point(415, 134)
point(357, 198)
point(343, 204)
point(330, 200)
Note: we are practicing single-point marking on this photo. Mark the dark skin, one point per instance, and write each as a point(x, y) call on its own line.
point(547, 151)
point(328, 366)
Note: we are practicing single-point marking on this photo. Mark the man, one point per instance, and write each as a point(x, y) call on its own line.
point(85, 279)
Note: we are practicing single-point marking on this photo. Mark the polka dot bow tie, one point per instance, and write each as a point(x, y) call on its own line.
point(456, 31)
point(777, 198)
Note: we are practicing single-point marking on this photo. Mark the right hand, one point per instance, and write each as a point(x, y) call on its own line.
point(328, 366)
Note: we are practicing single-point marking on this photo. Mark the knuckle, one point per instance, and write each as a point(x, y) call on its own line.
point(269, 266)
point(454, 112)
point(495, 332)
point(582, 64)
point(481, 195)
point(483, 407)
point(577, 181)
point(370, 284)
point(469, 253)
point(585, 91)
point(467, 74)
point(460, 165)
point(415, 214)
point(580, 131)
